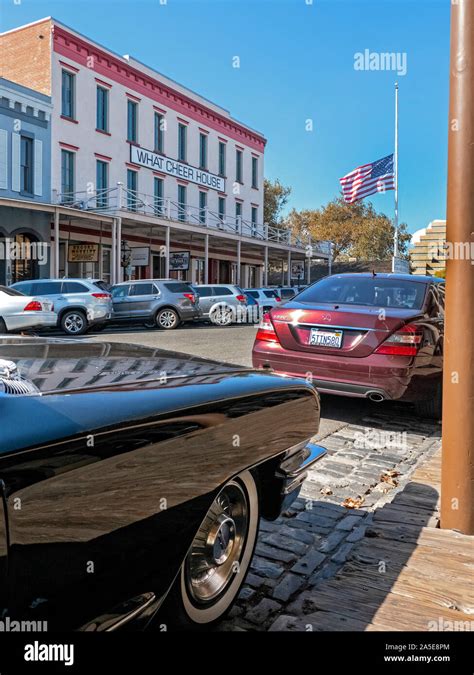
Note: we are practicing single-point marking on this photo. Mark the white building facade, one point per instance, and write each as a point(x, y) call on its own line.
point(149, 179)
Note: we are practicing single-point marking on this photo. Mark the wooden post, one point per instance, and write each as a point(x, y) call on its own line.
point(457, 485)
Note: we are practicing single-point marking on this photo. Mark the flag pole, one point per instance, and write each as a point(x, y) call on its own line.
point(395, 168)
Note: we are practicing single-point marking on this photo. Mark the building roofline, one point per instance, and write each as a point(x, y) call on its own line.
point(25, 91)
point(153, 72)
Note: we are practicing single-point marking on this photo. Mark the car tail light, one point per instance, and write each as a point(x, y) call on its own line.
point(404, 342)
point(33, 306)
point(102, 296)
point(266, 331)
point(190, 296)
point(241, 298)
point(277, 298)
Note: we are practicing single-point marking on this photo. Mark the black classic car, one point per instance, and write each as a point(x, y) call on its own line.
point(133, 480)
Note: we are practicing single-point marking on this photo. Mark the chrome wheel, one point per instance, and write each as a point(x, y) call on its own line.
point(74, 323)
point(222, 316)
point(215, 554)
point(167, 319)
point(218, 560)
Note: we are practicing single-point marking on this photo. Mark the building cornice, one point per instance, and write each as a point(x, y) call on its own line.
point(88, 54)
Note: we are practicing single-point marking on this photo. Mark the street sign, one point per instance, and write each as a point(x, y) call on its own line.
point(179, 260)
point(140, 256)
point(400, 266)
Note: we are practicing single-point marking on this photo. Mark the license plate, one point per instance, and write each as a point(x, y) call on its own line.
point(47, 306)
point(325, 338)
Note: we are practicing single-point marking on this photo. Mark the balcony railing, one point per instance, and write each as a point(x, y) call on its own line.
point(114, 201)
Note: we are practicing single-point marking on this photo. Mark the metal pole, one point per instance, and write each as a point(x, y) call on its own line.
point(56, 244)
point(239, 243)
point(457, 476)
point(167, 253)
point(288, 279)
point(330, 259)
point(265, 268)
point(119, 250)
point(113, 260)
point(308, 270)
point(206, 259)
point(395, 169)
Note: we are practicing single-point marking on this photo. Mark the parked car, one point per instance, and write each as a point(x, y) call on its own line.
point(222, 304)
point(80, 304)
point(378, 336)
point(158, 303)
point(286, 292)
point(267, 298)
point(19, 312)
point(138, 476)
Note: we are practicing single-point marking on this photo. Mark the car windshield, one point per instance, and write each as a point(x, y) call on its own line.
point(9, 291)
point(368, 291)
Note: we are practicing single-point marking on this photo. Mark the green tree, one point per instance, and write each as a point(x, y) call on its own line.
point(275, 197)
point(356, 230)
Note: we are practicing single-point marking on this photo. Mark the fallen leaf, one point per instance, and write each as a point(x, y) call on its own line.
point(353, 503)
point(387, 478)
point(326, 491)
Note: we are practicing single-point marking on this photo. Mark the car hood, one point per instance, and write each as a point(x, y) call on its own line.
point(67, 366)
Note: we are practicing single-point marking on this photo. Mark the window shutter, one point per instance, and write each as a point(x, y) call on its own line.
point(3, 159)
point(38, 171)
point(16, 146)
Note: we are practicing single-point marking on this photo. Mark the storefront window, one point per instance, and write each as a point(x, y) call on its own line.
point(26, 265)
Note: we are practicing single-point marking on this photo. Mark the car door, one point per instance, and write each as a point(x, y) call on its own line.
point(121, 301)
point(52, 290)
point(142, 296)
point(75, 293)
point(206, 298)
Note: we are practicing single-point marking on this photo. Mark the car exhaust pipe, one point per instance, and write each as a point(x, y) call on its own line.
point(375, 396)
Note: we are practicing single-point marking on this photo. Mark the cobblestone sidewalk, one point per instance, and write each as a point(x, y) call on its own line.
point(368, 464)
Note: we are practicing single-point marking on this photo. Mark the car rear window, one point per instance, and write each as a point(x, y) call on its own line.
point(253, 294)
point(178, 288)
point(222, 290)
point(287, 293)
point(9, 291)
point(270, 294)
point(101, 285)
point(74, 287)
point(367, 291)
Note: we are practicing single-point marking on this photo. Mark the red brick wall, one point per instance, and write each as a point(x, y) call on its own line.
point(25, 56)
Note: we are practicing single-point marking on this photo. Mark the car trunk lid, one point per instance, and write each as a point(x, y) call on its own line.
point(353, 331)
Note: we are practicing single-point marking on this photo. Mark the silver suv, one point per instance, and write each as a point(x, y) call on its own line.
point(267, 298)
point(222, 304)
point(157, 303)
point(80, 304)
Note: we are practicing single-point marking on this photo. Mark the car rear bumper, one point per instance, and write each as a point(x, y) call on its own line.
point(99, 313)
point(29, 320)
point(293, 469)
point(387, 377)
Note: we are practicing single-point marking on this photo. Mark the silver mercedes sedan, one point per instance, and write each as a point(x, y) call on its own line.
point(20, 312)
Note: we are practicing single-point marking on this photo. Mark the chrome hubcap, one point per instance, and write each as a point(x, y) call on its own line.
point(74, 323)
point(222, 316)
point(167, 319)
point(217, 548)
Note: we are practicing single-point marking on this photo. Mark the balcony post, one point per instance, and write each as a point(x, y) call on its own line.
point(206, 259)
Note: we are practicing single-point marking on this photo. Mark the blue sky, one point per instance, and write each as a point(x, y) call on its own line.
point(297, 63)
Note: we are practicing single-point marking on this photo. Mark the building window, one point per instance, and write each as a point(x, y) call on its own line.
point(202, 207)
point(159, 185)
point(182, 202)
point(102, 123)
point(202, 151)
point(221, 159)
point(238, 215)
point(102, 170)
point(26, 165)
point(68, 81)
point(67, 176)
point(238, 166)
point(221, 209)
point(132, 186)
point(182, 138)
point(160, 126)
point(254, 218)
point(132, 121)
point(255, 172)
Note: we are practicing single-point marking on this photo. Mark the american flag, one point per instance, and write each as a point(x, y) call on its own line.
point(368, 179)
